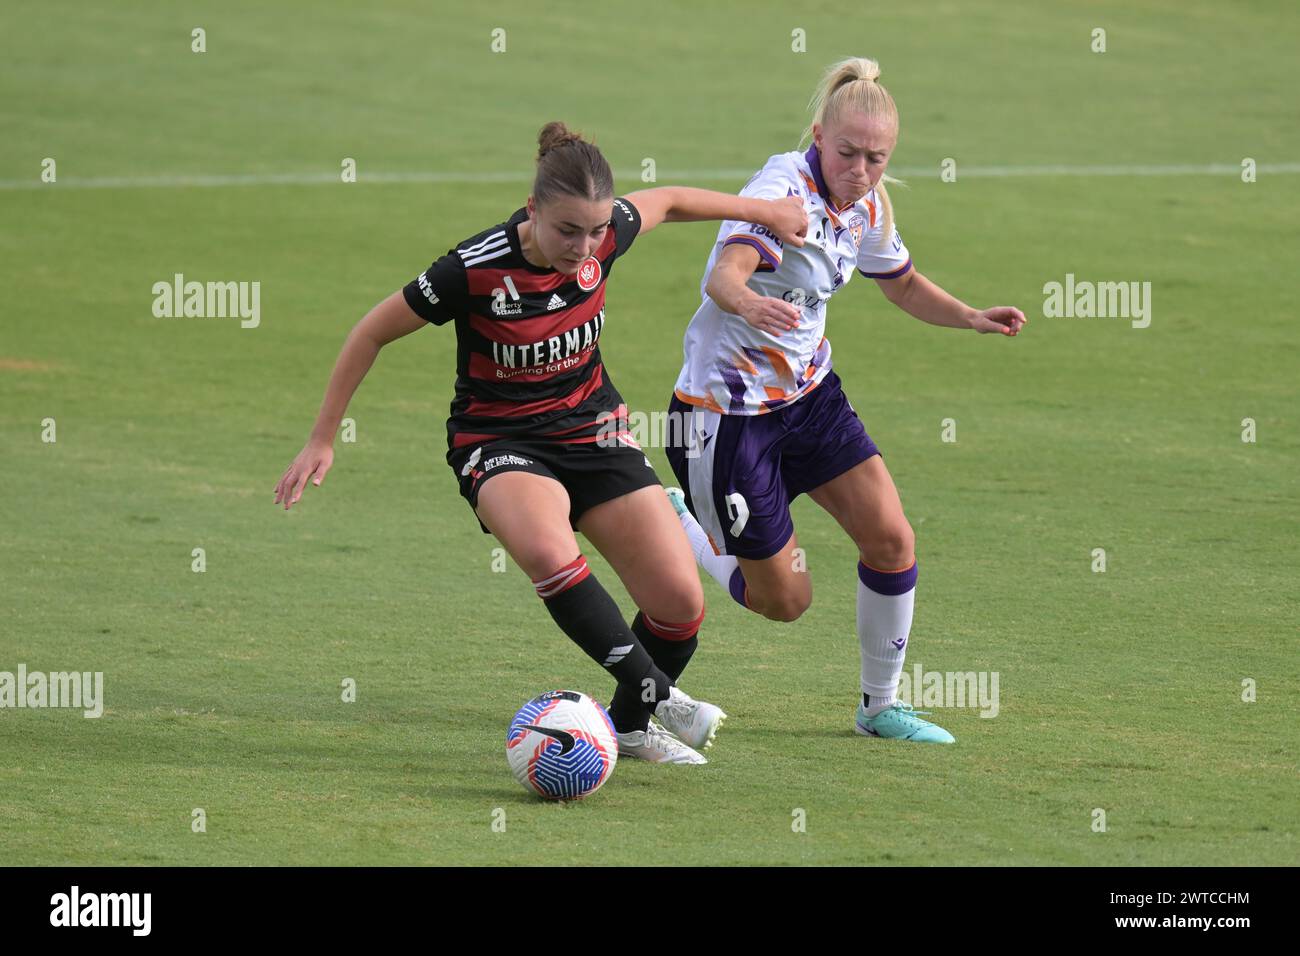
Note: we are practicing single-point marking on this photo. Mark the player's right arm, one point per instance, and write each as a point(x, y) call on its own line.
point(389, 320)
point(727, 287)
point(435, 297)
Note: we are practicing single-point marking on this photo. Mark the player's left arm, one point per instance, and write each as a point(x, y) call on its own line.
point(918, 296)
point(786, 216)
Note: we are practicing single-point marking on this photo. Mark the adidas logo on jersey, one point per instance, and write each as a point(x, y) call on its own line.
point(555, 303)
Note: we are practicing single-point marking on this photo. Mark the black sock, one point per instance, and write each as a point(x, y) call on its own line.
point(591, 619)
point(670, 657)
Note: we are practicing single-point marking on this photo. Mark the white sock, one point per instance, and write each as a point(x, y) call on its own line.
point(885, 600)
point(719, 566)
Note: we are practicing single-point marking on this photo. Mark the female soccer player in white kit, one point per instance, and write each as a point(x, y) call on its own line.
point(765, 417)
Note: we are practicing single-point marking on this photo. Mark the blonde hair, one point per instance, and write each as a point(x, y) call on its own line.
point(853, 85)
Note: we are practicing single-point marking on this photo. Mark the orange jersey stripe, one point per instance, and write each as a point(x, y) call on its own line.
point(743, 362)
point(830, 206)
point(706, 402)
point(779, 363)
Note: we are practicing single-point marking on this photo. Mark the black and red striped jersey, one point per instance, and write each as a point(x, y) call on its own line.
point(527, 338)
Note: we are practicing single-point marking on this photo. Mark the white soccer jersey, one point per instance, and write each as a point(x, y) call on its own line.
point(732, 367)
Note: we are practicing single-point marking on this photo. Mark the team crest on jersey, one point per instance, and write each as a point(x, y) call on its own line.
point(855, 228)
point(589, 274)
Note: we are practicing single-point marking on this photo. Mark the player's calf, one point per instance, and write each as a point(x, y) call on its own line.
point(588, 615)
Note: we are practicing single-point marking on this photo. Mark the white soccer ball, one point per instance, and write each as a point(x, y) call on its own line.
point(561, 745)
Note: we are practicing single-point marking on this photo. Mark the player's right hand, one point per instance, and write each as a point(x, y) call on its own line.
point(770, 315)
point(789, 220)
point(314, 462)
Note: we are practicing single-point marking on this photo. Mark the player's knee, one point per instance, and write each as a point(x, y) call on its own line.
point(682, 602)
point(892, 549)
point(784, 606)
point(541, 560)
point(789, 609)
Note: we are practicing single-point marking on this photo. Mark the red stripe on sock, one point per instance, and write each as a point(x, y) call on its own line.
point(575, 572)
point(673, 632)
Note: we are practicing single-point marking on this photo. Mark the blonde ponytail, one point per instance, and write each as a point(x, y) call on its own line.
point(852, 86)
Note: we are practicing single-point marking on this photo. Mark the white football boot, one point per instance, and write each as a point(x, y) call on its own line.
point(696, 722)
point(657, 746)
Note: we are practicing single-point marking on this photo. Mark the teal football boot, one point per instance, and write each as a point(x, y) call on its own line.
point(899, 721)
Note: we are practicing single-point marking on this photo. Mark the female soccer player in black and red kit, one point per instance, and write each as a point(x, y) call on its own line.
point(530, 436)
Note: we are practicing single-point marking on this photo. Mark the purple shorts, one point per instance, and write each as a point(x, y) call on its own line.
point(740, 472)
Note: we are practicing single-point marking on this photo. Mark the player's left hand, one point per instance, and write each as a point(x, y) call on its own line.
point(1006, 319)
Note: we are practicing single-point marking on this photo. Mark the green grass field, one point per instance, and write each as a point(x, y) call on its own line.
point(1119, 690)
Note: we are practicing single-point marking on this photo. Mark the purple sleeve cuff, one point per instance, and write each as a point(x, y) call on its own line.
point(901, 270)
point(763, 251)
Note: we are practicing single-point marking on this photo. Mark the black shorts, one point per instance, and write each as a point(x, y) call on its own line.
point(590, 472)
